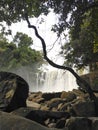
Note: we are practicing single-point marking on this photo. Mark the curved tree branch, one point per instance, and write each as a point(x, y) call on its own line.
point(82, 81)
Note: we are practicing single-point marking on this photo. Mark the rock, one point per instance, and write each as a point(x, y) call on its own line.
point(47, 121)
point(60, 106)
point(92, 79)
point(14, 122)
point(44, 107)
point(65, 106)
point(13, 91)
point(61, 123)
point(94, 123)
point(77, 92)
point(40, 116)
point(84, 108)
point(80, 94)
point(54, 102)
point(49, 96)
point(33, 104)
point(52, 125)
point(33, 96)
point(23, 111)
point(69, 96)
point(36, 97)
point(78, 123)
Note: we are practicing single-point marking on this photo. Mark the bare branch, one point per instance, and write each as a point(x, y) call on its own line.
point(87, 87)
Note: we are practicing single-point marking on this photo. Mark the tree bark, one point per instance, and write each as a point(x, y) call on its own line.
point(87, 87)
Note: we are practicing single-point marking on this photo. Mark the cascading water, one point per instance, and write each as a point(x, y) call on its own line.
point(55, 81)
point(49, 80)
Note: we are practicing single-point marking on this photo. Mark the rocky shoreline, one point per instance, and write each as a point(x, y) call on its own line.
point(73, 110)
point(79, 110)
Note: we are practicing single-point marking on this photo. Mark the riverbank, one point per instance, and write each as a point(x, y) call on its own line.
point(76, 105)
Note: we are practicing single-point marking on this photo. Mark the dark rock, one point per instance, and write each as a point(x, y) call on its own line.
point(94, 123)
point(54, 102)
point(39, 115)
point(13, 91)
point(14, 122)
point(65, 106)
point(69, 96)
point(61, 123)
point(78, 123)
point(49, 96)
point(84, 108)
point(92, 79)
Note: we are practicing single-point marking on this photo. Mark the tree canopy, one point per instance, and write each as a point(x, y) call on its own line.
point(79, 16)
point(18, 53)
point(82, 50)
point(13, 11)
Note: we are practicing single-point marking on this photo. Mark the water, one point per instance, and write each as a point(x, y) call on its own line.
point(49, 80)
point(55, 81)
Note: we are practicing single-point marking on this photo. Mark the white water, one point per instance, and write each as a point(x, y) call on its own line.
point(55, 81)
point(51, 80)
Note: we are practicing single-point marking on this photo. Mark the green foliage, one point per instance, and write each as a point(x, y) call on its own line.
point(23, 40)
point(12, 11)
point(80, 16)
point(12, 56)
point(83, 49)
point(71, 13)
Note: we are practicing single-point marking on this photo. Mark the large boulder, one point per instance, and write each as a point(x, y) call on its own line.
point(13, 122)
point(41, 116)
point(13, 91)
point(92, 79)
point(84, 108)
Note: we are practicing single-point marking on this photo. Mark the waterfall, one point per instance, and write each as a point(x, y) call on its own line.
point(55, 81)
point(48, 80)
